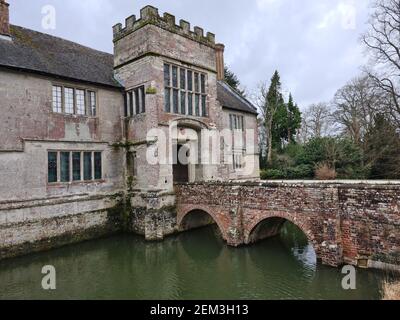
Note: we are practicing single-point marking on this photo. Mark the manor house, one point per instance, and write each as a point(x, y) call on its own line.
point(79, 127)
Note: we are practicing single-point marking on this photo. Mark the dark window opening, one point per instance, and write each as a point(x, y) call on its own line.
point(76, 166)
point(97, 166)
point(64, 167)
point(52, 167)
point(87, 166)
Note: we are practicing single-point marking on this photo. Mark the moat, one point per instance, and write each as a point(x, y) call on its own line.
point(192, 265)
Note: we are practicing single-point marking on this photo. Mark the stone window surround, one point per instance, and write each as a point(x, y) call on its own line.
point(71, 180)
point(237, 122)
point(88, 107)
point(130, 97)
point(233, 117)
point(186, 89)
point(238, 162)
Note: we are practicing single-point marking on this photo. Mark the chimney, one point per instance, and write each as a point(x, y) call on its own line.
point(4, 19)
point(219, 53)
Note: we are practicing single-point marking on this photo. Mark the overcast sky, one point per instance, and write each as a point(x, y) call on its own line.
point(313, 43)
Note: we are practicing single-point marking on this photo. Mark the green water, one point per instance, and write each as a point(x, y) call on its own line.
point(193, 265)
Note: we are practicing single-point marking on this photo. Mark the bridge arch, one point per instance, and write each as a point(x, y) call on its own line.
point(198, 216)
point(270, 223)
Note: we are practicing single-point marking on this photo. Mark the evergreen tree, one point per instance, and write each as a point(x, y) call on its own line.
point(273, 110)
point(279, 130)
point(286, 123)
point(294, 119)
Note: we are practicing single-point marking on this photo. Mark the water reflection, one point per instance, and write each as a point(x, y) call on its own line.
point(193, 265)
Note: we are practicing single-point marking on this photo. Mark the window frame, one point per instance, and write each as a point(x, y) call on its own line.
point(194, 89)
point(71, 152)
point(78, 108)
point(237, 122)
point(57, 99)
point(88, 112)
point(238, 160)
point(133, 95)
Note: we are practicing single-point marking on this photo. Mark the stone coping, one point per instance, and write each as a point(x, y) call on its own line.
point(305, 183)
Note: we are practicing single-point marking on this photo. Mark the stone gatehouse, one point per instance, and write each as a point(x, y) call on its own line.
point(78, 127)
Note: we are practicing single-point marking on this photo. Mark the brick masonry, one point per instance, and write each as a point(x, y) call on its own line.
point(4, 19)
point(356, 224)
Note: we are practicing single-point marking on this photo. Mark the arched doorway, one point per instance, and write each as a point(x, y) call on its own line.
point(181, 163)
point(185, 154)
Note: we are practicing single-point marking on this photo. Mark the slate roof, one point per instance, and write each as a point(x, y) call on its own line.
point(39, 52)
point(43, 53)
point(230, 99)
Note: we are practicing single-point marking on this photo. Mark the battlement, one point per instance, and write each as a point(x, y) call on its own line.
point(150, 15)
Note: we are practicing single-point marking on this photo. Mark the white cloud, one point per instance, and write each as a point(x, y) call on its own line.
point(265, 4)
point(344, 14)
point(260, 36)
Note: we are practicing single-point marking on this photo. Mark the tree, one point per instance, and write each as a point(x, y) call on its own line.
point(340, 154)
point(293, 120)
point(355, 105)
point(280, 127)
point(269, 101)
point(316, 122)
point(383, 149)
point(287, 121)
point(383, 43)
point(232, 79)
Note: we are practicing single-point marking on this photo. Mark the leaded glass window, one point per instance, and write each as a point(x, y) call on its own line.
point(76, 166)
point(52, 167)
point(97, 166)
point(69, 100)
point(87, 166)
point(64, 167)
point(57, 99)
point(184, 91)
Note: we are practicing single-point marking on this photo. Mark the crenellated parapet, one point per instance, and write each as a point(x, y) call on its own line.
point(150, 15)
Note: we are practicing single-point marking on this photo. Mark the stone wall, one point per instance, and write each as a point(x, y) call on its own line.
point(140, 50)
point(26, 102)
point(36, 215)
point(355, 223)
point(251, 156)
point(30, 226)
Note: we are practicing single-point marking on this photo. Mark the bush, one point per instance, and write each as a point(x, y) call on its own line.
point(324, 171)
point(272, 174)
point(299, 172)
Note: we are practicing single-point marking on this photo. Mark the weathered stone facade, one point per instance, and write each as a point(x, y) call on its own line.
point(141, 49)
point(353, 223)
point(132, 194)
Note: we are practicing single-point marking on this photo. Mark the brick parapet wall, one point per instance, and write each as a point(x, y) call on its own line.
point(347, 222)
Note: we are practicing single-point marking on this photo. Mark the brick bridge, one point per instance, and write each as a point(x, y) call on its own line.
point(352, 223)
